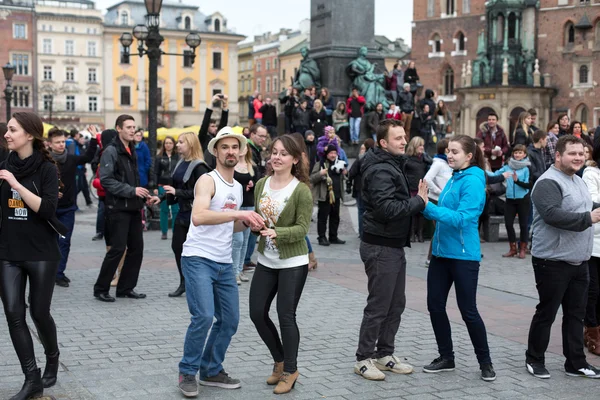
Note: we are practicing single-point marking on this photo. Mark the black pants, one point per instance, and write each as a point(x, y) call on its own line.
point(180, 230)
point(441, 275)
point(591, 311)
point(125, 232)
point(331, 212)
point(559, 284)
point(386, 273)
point(511, 208)
point(287, 284)
point(13, 278)
point(82, 186)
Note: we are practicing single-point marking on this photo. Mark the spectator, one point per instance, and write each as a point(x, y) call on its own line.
point(269, 117)
point(106, 138)
point(301, 117)
point(340, 121)
point(246, 132)
point(318, 119)
point(394, 81)
point(3, 146)
point(289, 100)
point(427, 131)
point(406, 103)
point(327, 101)
point(372, 120)
point(258, 103)
point(166, 162)
point(576, 130)
point(394, 113)
point(209, 128)
point(355, 106)
point(535, 153)
point(144, 160)
point(563, 123)
point(412, 78)
point(355, 182)
point(429, 100)
point(553, 130)
point(309, 97)
point(533, 114)
point(311, 148)
point(523, 131)
point(443, 118)
point(258, 136)
point(328, 139)
point(251, 120)
point(587, 151)
point(494, 140)
point(416, 166)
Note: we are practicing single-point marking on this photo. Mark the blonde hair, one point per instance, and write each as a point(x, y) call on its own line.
point(318, 105)
point(249, 161)
point(193, 143)
point(521, 123)
point(413, 145)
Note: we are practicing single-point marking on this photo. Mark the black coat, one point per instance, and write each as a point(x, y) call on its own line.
point(538, 164)
point(318, 121)
point(411, 76)
point(311, 152)
point(415, 169)
point(165, 166)
point(119, 176)
point(269, 113)
point(521, 137)
point(301, 117)
point(406, 102)
point(68, 172)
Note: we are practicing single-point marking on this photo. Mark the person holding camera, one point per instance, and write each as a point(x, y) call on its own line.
point(209, 128)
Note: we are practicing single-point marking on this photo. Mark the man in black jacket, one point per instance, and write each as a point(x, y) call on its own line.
point(258, 135)
point(406, 103)
point(67, 202)
point(535, 152)
point(209, 128)
point(389, 209)
point(120, 179)
point(269, 119)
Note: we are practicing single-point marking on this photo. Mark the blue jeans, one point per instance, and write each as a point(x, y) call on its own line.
point(310, 249)
point(240, 246)
point(250, 250)
point(67, 217)
point(442, 273)
point(360, 205)
point(355, 129)
point(211, 292)
point(100, 217)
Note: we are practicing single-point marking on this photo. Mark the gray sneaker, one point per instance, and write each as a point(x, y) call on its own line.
point(221, 380)
point(188, 385)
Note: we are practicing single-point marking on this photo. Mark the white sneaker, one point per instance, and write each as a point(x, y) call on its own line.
point(366, 368)
point(243, 277)
point(238, 280)
point(393, 363)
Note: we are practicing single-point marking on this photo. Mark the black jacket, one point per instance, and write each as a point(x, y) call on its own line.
point(538, 164)
point(165, 166)
point(354, 185)
point(185, 196)
point(205, 137)
point(415, 169)
point(311, 152)
point(373, 118)
point(411, 76)
point(68, 172)
point(389, 209)
point(257, 158)
point(301, 117)
point(318, 122)
point(406, 102)
point(119, 176)
point(521, 137)
point(289, 105)
point(269, 113)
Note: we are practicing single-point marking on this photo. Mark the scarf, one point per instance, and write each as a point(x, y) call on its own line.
point(441, 156)
point(22, 168)
point(59, 158)
point(514, 164)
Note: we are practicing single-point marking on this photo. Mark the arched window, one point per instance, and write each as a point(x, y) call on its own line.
point(461, 41)
point(124, 18)
point(437, 43)
point(449, 82)
point(217, 25)
point(512, 26)
point(584, 74)
point(188, 23)
point(569, 34)
point(500, 29)
point(597, 35)
point(584, 114)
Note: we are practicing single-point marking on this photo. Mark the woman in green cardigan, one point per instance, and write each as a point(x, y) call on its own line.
point(284, 200)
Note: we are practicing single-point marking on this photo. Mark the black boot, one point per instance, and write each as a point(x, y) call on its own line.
point(51, 370)
point(32, 388)
point(179, 291)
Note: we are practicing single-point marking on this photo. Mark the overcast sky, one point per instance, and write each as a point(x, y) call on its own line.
point(253, 17)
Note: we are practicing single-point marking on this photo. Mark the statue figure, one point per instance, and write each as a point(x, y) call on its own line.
point(369, 84)
point(529, 60)
point(308, 74)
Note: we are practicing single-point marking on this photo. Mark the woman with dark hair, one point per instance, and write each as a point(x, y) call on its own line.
point(443, 117)
point(355, 182)
point(576, 130)
point(165, 165)
point(411, 77)
point(29, 186)
point(3, 146)
point(340, 121)
point(456, 255)
point(327, 101)
point(563, 121)
point(284, 200)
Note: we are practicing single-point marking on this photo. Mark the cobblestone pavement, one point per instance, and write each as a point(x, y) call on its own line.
point(130, 349)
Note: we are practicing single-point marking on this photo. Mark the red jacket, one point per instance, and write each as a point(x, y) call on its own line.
point(397, 116)
point(501, 141)
point(361, 100)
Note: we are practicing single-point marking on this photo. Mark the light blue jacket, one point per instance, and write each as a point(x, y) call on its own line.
point(457, 216)
point(513, 189)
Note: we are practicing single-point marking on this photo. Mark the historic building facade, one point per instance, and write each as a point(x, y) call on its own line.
point(245, 79)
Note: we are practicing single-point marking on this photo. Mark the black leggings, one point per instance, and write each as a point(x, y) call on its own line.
point(511, 208)
point(13, 278)
point(179, 235)
point(593, 309)
point(287, 283)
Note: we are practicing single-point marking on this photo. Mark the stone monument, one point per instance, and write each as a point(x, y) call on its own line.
point(308, 74)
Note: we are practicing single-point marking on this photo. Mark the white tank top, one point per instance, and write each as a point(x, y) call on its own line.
point(214, 241)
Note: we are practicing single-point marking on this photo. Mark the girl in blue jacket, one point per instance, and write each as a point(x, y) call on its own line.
point(516, 172)
point(456, 255)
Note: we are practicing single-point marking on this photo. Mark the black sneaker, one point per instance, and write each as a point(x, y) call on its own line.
point(586, 372)
point(66, 278)
point(62, 282)
point(439, 365)
point(323, 241)
point(188, 385)
point(487, 372)
point(337, 241)
point(98, 236)
point(538, 370)
point(221, 380)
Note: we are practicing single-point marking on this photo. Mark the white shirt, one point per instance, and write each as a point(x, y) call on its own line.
point(271, 203)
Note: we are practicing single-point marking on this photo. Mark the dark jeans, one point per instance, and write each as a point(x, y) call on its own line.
point(82, 185)
point(67, 217)
point(13, 278)
point(442, 273)
point(250, 250)
point(100, 217)
point(591, 312)
point(287, 284)
point(126, 232)
point(559, 283)
point(272, 131)
point(180, 230)
point(511, 208)
point(360, 205)
point(288, 125)
point(386, 274)
point(331, 212)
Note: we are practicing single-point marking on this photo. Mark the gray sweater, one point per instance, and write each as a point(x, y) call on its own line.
point(562, 224)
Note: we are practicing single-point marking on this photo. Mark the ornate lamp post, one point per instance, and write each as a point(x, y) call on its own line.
point(9, 71)
point(150, 36)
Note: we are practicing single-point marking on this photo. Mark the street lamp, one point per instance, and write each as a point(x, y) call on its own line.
point(150, 36)
point(9, 71)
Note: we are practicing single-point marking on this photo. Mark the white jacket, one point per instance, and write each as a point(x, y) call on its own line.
point(591, 177)
point(438, 175)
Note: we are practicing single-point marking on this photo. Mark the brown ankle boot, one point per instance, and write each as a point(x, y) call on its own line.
point(512, 252)
point(286, 382)
point(522, 250)
point(277, 371)
point(593, 344)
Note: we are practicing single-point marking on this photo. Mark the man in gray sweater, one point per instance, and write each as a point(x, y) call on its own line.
point(563, 214)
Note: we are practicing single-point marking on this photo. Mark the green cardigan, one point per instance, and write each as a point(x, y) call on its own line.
point(293, 222)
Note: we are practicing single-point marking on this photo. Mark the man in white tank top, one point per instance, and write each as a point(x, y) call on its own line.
point(206, 264)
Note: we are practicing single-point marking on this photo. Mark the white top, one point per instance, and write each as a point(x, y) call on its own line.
point(214, 241)
point(591, 177)
point(271, 203)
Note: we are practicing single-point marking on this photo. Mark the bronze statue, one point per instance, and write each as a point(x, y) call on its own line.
point(308, 74)
point(369, 84)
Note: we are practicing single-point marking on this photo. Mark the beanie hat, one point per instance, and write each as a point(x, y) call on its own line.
point(329, 129)
point(329, 149)
point(308, 132)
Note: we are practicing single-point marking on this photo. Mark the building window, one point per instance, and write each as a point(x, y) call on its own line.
point(47, 46)
point(258, 65)
point(43, 27)
point(449, 82)
point(569, 34)
point(248, 85)
point(283, 75)
point(597, 35)
point(92, 75)
point(188, 23)
point(124, 18)
point(512, 26)
point(430, 8)
point(187, 58)
point(450, 9)
point(584, 74)
point(91, 49)
point(92, 104)
point(20, 31)
point(267, 65)
point(466, 6)
point(268, 85)
point(70, 74)
point(69, 47)
point(21, 64)
point(217, 60)
point(436, 44)
point(124, 56)
point(188, 97)
point(125, 95)
point(275, 84)
point(47, 72)
point(274, 63)
point(217, 25)
point(48, 102)
point(461, 42)
point(258, 84)
point(249, 64)
point(70, 104)
point(21, 96)
point(583, 114)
